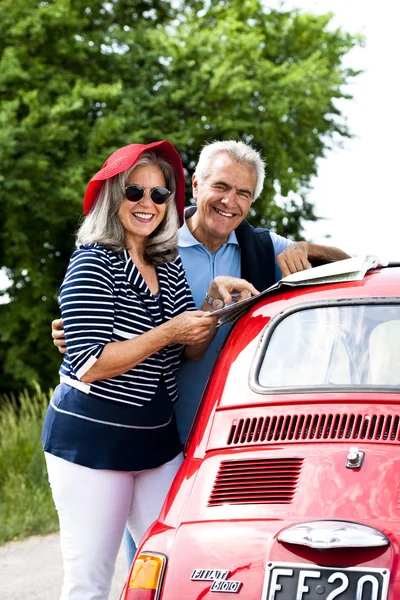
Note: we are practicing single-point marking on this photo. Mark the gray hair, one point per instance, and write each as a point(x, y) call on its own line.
point(103, 226)
point(237, 151)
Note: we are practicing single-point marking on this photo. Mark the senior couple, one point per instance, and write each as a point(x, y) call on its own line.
point(111, 437)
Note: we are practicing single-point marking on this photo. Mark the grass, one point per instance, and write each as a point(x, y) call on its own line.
point(26, 504)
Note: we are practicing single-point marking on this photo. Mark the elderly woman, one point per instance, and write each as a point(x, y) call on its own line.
point(110, 438)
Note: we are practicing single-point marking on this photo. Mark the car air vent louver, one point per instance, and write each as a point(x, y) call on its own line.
point(263, 481)
point(315, 427)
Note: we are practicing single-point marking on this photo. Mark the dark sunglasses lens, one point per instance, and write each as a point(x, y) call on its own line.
point(134, 193)
point(159, 195)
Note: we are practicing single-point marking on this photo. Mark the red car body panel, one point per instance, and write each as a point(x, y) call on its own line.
point(308, 434)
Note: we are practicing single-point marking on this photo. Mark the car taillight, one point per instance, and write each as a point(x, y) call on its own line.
point(145, 579)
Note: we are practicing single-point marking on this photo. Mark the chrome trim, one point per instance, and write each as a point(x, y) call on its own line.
point(355, 458)
point(327, 534)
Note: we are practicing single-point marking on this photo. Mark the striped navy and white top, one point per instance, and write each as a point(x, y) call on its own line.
point(125, 422)
point(104, 298)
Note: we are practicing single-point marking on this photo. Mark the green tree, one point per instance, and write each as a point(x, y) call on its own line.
point(269, 77)
point(80, 78)
point(70, 71)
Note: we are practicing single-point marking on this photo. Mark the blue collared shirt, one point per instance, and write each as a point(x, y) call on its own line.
point(201, 266)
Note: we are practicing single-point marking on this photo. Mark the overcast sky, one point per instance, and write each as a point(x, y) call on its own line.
point(357, 188)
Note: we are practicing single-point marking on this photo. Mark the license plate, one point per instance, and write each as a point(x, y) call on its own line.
point(292, 581)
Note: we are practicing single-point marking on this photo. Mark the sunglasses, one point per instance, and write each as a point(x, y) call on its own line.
point(135, 192)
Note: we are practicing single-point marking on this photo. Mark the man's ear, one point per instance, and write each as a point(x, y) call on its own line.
point(195, 186)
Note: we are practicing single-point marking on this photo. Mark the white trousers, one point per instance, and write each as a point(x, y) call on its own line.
point(93, 507)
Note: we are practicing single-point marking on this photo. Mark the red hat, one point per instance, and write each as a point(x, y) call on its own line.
point(124, 158)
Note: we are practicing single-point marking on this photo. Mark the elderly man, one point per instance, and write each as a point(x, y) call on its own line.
point(217, 240)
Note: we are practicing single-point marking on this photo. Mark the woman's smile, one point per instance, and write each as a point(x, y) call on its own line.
point(143, 217)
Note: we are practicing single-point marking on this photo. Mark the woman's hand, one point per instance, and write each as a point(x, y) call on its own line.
point(191, 327)
point(231, 289)
point(58, 335)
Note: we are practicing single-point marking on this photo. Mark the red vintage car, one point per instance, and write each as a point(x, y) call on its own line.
point(291, 485)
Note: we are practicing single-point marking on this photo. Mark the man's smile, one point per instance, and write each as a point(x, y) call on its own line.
point(223, 213)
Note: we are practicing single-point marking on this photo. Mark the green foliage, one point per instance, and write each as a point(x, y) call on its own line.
point(271, 78)
point(79, 79)
point(26, 504)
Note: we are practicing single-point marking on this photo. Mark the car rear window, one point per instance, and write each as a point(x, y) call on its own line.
point(357, 345)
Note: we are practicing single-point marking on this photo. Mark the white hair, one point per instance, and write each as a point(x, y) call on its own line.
point(103, 226)
point(237, 151)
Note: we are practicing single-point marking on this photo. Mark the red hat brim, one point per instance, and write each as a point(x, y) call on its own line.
point(124, 158)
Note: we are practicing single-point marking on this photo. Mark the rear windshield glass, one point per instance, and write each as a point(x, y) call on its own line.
point(335, 345)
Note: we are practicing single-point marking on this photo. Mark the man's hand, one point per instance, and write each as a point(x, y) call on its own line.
point(57, 333)
point(294, 258)
point(297, 256)
point(231, 289)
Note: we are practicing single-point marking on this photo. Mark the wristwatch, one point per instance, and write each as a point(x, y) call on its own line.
point(216, 303)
